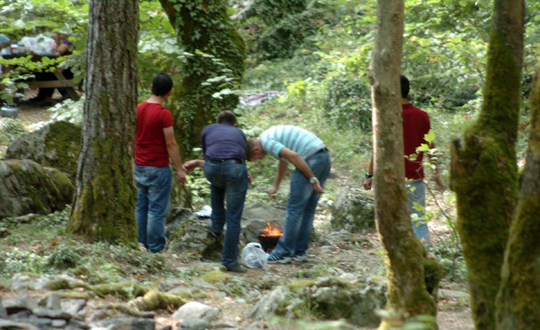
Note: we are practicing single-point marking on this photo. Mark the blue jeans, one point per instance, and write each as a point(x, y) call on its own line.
point(416, 191)
point(301, 207)
point(230, 178)
point(153, 201)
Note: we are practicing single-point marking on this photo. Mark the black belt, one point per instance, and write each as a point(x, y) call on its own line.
point(226, 161)
point(322, 150)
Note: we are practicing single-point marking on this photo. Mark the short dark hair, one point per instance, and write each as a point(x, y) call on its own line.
point(162, 84)
point(405, 86)
point(226, 117)
point(249, 148)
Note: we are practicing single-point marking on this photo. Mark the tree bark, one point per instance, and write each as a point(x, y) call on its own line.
point(407, 295)
point(104, 201)
point(517, 302)
point(203, 26)
point(483, 168)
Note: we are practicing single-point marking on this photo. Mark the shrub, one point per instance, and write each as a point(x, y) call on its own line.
point(348, 103)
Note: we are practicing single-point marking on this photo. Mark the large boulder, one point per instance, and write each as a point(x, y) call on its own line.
point(330, 298)
point(256, 217)
point(353, 210)
point(55, 145)
point(27, 187)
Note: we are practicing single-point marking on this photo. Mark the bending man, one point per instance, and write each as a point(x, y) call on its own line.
point(303, 149)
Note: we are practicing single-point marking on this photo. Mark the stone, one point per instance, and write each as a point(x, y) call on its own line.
point(53, 301)
point(51, 313)
point(353, 210)
point(196, 310)
point(257, 216)
point(27, 187)
point(195, 324)
point(338, 236)
point(58, 323)
point(445, 293)
point(127, 323)
point(11, 325)
point(332, 298)
point(56, 145)
point(3, 312)
point(194, 235)
point(169, 284)
point(181, 291)
point(78, 324)
point(15, 305)
point(202, 284)
point(269, 303)
point(72, 306)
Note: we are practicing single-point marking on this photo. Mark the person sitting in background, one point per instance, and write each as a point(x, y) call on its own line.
point(62, 48)
point(4, 43)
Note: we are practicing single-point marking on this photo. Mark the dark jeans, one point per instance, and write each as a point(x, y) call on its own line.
point(227, 178)
point(153, 201)
point(301, 207)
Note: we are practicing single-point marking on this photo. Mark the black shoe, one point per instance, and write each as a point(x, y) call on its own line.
point(211, 232)
point(237, 268)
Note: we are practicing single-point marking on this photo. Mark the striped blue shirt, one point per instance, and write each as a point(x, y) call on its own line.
point(292, 137)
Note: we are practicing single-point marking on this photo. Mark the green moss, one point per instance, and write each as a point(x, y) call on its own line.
point(64, 140)
point(154, 300)
point(300, 284)
point(216, 276)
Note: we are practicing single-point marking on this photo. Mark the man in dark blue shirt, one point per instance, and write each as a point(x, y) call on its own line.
point(224, 166)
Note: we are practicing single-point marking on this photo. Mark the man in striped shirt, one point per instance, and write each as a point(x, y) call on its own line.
point(303, 149)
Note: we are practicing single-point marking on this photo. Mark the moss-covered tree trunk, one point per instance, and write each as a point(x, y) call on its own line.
point(203, 26)
point(407, 295)
point(484, 170)
point(104, 201)
point(518, 303)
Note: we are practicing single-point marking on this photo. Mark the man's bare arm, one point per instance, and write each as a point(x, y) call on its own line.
point(174, 155)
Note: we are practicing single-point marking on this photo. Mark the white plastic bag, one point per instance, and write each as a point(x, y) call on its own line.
point(39, 45)
point(253, 256)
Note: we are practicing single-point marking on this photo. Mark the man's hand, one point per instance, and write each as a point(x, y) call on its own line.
point(368, 183)
point(272, 190)
point(181, 176)
point(250, 178)
point(317, 187)
point(191, 165)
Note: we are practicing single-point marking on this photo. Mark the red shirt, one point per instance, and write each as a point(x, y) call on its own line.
point(415, 126)
point(150, 146)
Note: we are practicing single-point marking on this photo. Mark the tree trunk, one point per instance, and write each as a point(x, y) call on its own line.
point(407, 295)
point(203, 26)
point(517, 302)
point(104, 201)
point(484, 170)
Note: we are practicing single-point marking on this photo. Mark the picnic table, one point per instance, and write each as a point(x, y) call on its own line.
point(60, 81)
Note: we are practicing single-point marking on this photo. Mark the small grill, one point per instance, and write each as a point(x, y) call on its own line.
point(269, 237)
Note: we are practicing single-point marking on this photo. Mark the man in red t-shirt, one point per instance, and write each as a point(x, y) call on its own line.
point(155, 144)
point(415, 126)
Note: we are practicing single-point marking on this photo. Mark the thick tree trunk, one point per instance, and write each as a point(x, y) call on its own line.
point(104, 202)
point(203, 26)
point(407, 294)
point(484, 170)
point(517, 302)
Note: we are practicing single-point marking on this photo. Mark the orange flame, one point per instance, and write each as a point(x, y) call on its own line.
point(271, 230)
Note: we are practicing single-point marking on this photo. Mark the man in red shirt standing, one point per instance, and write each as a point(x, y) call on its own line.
point(155, 144)
point(415, 126)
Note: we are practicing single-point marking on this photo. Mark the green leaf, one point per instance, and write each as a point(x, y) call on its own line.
point(430, 136)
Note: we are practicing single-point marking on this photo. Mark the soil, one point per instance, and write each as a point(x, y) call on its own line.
point(453, 313)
